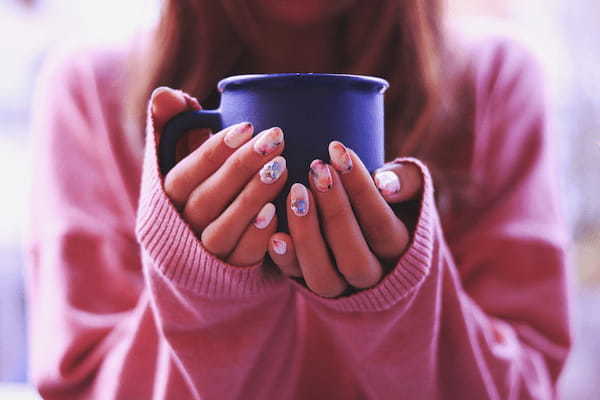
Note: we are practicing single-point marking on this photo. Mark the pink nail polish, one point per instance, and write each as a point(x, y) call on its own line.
point(272, 170)
point(299, 199)
point(340, 158)
point(268, 141)
point(238, 134)
point(279, 246)
point(264, 217)
point(321, 176)
point(387, 182)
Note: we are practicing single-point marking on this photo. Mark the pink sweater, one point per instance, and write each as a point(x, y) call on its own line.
point(125, 303)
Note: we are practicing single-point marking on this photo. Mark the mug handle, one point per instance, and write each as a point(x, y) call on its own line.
point(177, 126)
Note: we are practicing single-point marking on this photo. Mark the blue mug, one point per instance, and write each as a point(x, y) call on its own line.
point(311, 109)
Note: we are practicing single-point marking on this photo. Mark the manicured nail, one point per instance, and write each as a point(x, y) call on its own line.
point(279, 246)
point(299, 199)
point(340, 158)
point(387, 182)
point(272, 170)
point(238, 134)
point(268, 141)
point(264, 217)
point(321, 176)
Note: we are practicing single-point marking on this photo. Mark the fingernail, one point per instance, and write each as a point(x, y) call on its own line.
point(238, 134)
point(268, 141)
point(321, 175)
point(272, 170)
point(299, 199)
point(387, 182)
point(264, 217)
point(340, 158)
point(279, 246)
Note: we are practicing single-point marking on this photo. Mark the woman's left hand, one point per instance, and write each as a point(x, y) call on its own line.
point(355, 233)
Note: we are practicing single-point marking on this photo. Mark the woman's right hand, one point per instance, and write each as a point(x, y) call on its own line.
point(224, 186)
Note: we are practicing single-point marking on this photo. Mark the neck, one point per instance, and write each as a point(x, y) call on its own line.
point(306, 49)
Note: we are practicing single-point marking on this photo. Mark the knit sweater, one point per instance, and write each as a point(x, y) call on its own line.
point(124, 301)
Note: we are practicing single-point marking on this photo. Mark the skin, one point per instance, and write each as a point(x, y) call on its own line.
point(296, 13)
point(310, 25)
point(349, 236)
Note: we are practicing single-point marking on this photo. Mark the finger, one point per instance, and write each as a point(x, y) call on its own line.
point(189, 142)
point(311, 250)
point(399, 182)
point(353, 257)
point(254, 242)
point(195, 168)
point(211, 197)
point(165, 103)
point(221, 235)
point(283, 254)
point(386, 234)
point(198, 138)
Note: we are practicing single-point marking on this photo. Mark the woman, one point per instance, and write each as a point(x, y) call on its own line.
point(457, 292)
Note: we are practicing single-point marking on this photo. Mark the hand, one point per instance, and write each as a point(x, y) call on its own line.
point(223, 184)
point(345, 214)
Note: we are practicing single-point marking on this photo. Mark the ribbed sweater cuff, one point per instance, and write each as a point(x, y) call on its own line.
point(411, 269)
point(176, 252)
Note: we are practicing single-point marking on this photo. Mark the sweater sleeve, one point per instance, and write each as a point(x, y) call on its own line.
point(125, 305)
point(486, 318)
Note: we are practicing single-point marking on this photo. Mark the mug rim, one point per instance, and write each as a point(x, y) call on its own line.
point(280, 80)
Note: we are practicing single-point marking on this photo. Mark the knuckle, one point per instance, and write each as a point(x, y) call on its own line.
point(196, 213)
point(242, 166)
point(301, 235)
point(245, 261)
point(360, 193)
point(289, 269)
point(392, 245)
point(213, 242)
point(249, 200)
point(364, 275)
point(391, 249)
point(361, 281)
point(380, 230)
point(210, 157)
point(335, 214)
point(327, 289)
point(174, 186)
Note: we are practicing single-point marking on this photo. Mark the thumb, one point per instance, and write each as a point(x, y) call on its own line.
point(399, 181)
point(166, 103)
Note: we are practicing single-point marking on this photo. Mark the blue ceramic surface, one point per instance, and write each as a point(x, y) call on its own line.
point(311, 109)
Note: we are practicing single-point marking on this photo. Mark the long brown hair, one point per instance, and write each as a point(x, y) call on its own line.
point(400, 40)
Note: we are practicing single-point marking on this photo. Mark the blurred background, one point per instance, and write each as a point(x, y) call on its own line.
point(562, 34)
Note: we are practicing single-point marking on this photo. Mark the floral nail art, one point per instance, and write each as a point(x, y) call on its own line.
point(268, 141)
point(238, 134)
point(264, 217)
point(279, 246)
point(339, 157)
point(387, 182)
point(321, 175)
point(299, 199)
point(272, 170)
